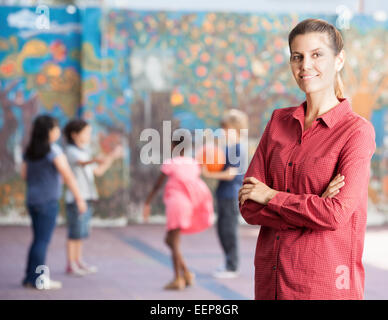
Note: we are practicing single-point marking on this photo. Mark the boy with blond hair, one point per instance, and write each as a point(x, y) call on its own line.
point(230, 181)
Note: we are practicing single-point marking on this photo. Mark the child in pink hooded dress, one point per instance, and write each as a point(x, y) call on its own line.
point(189, 208)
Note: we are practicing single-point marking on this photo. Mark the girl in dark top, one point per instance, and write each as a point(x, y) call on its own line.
point(43, 168)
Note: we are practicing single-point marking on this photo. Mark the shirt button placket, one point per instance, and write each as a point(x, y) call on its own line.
point(275, 266)
point(290, 175)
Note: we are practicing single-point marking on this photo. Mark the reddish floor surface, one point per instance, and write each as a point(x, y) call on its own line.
point(134, 263)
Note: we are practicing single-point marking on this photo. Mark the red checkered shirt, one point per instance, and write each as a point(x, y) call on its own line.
point(311, 247)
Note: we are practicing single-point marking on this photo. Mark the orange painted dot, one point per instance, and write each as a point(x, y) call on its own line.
point(201, 71)
point(41, 79)
point(193, 99)
point(8, 68)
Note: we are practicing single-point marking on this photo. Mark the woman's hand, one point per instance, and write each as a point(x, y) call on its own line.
point(334, 187)
point(255, 190)
point(146, 211)
point(258, 191)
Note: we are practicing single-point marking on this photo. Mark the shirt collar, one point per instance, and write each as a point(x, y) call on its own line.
point(331, 117)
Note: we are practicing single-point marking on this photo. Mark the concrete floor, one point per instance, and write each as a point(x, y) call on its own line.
point(134, 263)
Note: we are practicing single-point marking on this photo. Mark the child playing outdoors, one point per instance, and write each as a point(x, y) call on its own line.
point(230, 181)
point(43, 167)
point(84, 167)
point(189, 207)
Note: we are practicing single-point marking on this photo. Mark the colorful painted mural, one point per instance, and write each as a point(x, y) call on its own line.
point(366, 82)
point(39, 72)
point(124, 71)
point(106, 104)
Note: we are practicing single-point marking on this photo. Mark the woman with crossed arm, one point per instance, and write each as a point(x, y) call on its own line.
point(307, 184)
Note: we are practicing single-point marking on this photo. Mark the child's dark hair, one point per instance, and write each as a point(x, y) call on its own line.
point(174, 143)
point(73, 126)
point(39, 144)
point(183, 136)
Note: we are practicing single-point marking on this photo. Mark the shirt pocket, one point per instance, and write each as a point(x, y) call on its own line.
point(313, 174)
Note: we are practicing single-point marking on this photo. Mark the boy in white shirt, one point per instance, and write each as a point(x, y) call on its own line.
point(84, 167)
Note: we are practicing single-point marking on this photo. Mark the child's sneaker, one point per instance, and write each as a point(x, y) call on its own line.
point(54, 285)
point(176, 284)
point(51, 285)
point(223, 273)
point(226, 274)
point(86, 267)
point(74, 270)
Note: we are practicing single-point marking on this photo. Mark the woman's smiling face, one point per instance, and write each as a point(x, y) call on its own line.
point(313, 62)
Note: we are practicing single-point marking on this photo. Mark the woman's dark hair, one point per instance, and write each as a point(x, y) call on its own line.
point(335, 38)
point(39, 144)
point(73, 126)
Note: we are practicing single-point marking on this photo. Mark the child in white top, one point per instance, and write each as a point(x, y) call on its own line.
point(84, 167)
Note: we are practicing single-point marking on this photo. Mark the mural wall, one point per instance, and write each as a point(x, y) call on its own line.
point(124, 71)
point(39, 72)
